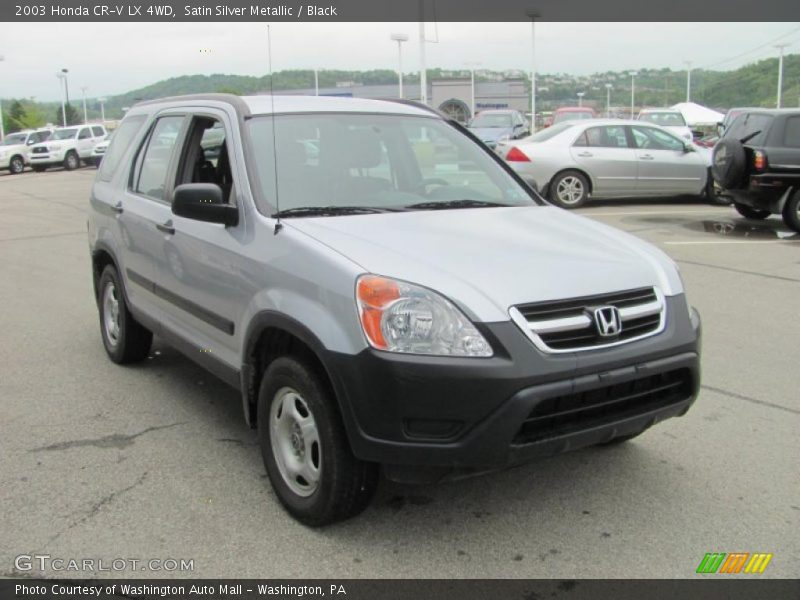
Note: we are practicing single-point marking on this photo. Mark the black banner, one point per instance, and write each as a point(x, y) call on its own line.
point(719, 588)
point(397, 10)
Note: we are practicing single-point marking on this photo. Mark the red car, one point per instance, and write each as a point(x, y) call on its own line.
point(573, 113)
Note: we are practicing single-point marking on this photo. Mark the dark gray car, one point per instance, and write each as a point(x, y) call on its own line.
point(491, 126)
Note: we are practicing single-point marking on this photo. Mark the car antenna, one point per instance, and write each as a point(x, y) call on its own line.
point(278, 225)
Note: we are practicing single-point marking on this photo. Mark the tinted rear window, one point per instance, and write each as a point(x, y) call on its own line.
point(791, 135)
point(750, 125)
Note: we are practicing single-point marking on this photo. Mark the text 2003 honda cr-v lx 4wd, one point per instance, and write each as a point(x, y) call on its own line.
point(384, 291)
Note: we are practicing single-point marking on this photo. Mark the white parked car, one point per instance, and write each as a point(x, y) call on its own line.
point(608, 158)
point(16, 147)
point(67, 147)
point(99, 150)
point(670, 119)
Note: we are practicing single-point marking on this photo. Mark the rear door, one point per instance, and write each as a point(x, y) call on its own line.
point(603, 152)
point(665, 167)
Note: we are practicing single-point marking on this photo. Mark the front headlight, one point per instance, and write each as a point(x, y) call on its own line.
point(402, 317)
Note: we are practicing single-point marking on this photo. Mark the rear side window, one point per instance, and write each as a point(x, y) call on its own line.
point(84, 134)
point(119, 144)
point(791, 135)
point(603, 137)
point(151, 180)
point(98, 131)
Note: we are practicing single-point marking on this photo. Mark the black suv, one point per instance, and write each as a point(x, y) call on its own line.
point(757, 163)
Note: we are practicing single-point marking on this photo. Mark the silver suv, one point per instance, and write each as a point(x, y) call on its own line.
point(384, 291)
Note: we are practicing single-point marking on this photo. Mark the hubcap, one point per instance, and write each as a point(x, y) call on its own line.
point(570, 190)
point(111, 314)
point(17, 166)
point(295, 442)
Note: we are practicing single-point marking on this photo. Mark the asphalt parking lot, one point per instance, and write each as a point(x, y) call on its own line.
point(155, 461)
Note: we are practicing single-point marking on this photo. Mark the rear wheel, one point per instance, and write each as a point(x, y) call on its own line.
point(71, 161)
point(569, 189)
point(16, 165)
point(751, 213)
point(305, 448)
point(124, 338)
point(791, 212)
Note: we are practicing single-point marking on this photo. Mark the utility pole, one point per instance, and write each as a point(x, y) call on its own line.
point(316, 82)
point(580, 98)
point(102, 102)
point(471, 66)
point(399, 38)
point(423, 69)
point(688, 64)
point(85, 114)
point(533, 16)
point(780, 47)
point(633, 90)
point(608, 100)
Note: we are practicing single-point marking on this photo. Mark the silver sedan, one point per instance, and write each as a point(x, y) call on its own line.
point(609, 158)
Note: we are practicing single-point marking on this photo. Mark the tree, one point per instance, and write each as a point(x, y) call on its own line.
point(30, 117)
point(72, 115)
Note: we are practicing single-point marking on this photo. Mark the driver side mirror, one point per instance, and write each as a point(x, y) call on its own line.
point(203, 202)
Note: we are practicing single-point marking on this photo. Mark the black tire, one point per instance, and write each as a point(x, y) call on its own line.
point(728, 163)
point(569, 189)
point(39, 168)
point(71, 161)
point(751, 213)
point(16, 165)
point(345, 484)
point(791, 212)
point(132, 340)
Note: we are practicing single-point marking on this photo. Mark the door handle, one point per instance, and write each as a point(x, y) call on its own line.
point(166, 227)
point(585, 154)
point(646, 157)
point(117, 208)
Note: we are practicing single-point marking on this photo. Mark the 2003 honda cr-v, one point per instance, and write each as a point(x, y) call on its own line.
point(383, 289)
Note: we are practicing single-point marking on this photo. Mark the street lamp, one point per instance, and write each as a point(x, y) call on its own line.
point(532, 15)
point(608, 100)
point(316, 82)
point(780, 47)
point(471, 66)
point(85, 116)
point(633, 89)
point(399, 38)
point(63, 78)
point(102, 102)
point(580, 98)
point(688, 64)
point(2, 130)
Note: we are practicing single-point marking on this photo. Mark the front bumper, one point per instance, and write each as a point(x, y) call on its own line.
point(426, 418)
point(46, 158)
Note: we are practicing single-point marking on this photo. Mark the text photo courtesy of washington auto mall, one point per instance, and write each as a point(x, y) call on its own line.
point(399, 300)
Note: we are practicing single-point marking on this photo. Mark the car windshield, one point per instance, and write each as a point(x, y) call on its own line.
point(491, 121)
point(14, 139)
point(572, 116)
point(331, 164)
point(64, 134)
point(665, 119)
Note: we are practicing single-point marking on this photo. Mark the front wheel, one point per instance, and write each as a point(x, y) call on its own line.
point(305, 449)
point(791, 212)
point(751, 213)
point(71, 161)
point(16, 165)
point(569, 189)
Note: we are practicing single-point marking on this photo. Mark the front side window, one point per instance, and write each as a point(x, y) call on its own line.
point(648, 138)
point(152, 175)
point(379, 162)
point(98, 131)
point(85, 134)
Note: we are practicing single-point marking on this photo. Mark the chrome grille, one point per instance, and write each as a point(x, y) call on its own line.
point(40, 150)
point(569, 325)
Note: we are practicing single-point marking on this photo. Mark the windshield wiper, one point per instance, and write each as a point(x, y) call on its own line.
point(327, 211)
point(445, 204)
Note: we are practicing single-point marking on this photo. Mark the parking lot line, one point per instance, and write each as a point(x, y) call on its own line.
point(650, 212)
point(698, 242)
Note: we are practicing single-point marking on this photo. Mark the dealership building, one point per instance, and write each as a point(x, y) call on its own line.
point(451, 96)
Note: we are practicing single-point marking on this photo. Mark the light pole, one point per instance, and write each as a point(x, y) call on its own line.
point(62, 79)
point(633, 90)
point(533, 16)
point(399, 38)
point(423, 69)
point(316, 82)
point(66, 84)
point(608, 100)
point(580, 98)
point(85, 115)
point(780, 47)
point(2, 130)
point(471, 66)
point(102, 102)
point(688, 64)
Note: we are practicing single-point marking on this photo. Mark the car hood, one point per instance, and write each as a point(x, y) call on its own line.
point(489, 259)
point(14, 148)
point(491, 134)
